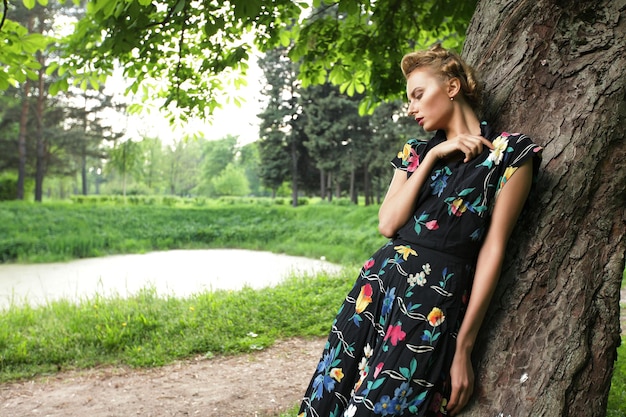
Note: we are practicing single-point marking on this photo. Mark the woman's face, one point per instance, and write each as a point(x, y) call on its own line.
point(429, 102)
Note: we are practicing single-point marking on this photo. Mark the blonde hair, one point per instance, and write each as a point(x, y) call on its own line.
point(447, 64)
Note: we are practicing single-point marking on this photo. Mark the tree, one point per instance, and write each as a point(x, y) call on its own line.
point(281, 130)
point(125, 157)
point(231, 182)
point(556, 70)
point(390, 129)
point(216, 156)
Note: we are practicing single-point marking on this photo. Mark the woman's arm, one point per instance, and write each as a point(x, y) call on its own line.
point(399, 202)
point(507, 208)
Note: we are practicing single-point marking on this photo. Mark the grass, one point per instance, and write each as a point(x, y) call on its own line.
point(151, 330)
point(62, 231)
point(148, 330)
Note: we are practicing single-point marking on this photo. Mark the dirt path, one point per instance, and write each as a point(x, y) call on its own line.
point(259, 384)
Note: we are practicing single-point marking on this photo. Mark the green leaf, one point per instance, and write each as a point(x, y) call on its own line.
point(29, 4)
point(34, 42)
point(51, 68)
point(54, 88)
point(4, 81)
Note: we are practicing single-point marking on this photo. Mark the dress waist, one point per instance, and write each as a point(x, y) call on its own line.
point(459, 254)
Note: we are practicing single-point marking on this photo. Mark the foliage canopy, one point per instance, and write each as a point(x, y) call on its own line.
point(185, 52)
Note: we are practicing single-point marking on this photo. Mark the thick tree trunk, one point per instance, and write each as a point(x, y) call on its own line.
point(556, 70)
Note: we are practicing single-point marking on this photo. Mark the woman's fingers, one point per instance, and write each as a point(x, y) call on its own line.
point(469, 145)
point(458, 399)
point(461, 383)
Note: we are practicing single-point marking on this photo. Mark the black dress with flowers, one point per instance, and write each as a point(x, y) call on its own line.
point(391, 345)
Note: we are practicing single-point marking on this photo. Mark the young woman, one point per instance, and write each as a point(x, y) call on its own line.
point(402, 340)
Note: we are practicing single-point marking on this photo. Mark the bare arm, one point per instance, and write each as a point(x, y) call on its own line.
point(399, 202)
point(506, 211)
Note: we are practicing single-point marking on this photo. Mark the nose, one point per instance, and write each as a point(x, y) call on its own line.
point(412, 108)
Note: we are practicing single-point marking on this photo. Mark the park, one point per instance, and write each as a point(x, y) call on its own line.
point(332, 115)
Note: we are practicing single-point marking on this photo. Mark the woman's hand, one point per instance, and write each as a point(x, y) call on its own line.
point(469, 145)
point(462, 381)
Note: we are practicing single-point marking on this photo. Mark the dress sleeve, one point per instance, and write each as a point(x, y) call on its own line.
point(519, 149)
point(408, 158)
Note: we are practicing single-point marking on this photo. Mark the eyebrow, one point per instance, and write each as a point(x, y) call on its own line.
point(414, 91)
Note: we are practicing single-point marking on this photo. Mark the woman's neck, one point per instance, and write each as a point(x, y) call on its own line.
point(463, 121)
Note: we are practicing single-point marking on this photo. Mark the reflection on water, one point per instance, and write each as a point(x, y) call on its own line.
point(178, 272)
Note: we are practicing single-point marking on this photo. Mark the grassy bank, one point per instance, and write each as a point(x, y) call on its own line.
point(151, 330)
point(54, 232)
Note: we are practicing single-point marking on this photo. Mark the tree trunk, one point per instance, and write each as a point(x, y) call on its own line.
point(83, 153)
point(353, 195)
point(556, 71)
point(367, 185)
point(40, 166)
point(329, 183)
point(322, 184)
point(21, 141)
point(294, 174)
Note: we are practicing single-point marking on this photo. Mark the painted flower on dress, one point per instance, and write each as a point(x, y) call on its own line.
point(368, 264)
point(432, 225)
point(417, 279)
point(336, 374)
point(368, 351)
point(436, 317)
point(350, 411)
point(403, 391)
point(395, 334)
point(384, 406)
point(378, 368)
point(409, 156)
point(405, 251)
point(440, 180)
point(508, 172)
point(438, 403)
point(364, 299)
point(388, 301)
point(458, 207)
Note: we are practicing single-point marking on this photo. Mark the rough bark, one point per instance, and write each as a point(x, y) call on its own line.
point(556, 70)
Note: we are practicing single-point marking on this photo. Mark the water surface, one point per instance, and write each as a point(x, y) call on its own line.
point(178, 272)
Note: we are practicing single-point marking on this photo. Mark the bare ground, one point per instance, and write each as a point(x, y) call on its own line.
point(260, 384)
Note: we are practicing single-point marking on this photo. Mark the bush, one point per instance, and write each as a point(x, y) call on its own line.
point(8, 186)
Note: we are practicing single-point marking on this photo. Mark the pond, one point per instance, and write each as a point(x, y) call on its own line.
point(178, 273)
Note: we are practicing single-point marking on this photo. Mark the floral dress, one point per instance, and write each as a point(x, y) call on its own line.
point(392, 342)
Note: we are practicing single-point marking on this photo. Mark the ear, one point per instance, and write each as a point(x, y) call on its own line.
point(454, 87)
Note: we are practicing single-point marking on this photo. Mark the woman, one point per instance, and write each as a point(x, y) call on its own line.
point(402, 340)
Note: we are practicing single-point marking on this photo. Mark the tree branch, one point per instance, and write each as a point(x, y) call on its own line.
point(4, 13)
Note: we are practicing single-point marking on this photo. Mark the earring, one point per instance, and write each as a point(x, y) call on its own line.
point(451, 98)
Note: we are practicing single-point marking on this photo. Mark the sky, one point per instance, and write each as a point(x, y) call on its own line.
point(241, 121)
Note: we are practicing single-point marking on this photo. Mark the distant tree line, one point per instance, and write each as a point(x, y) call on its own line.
point(312, 140)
